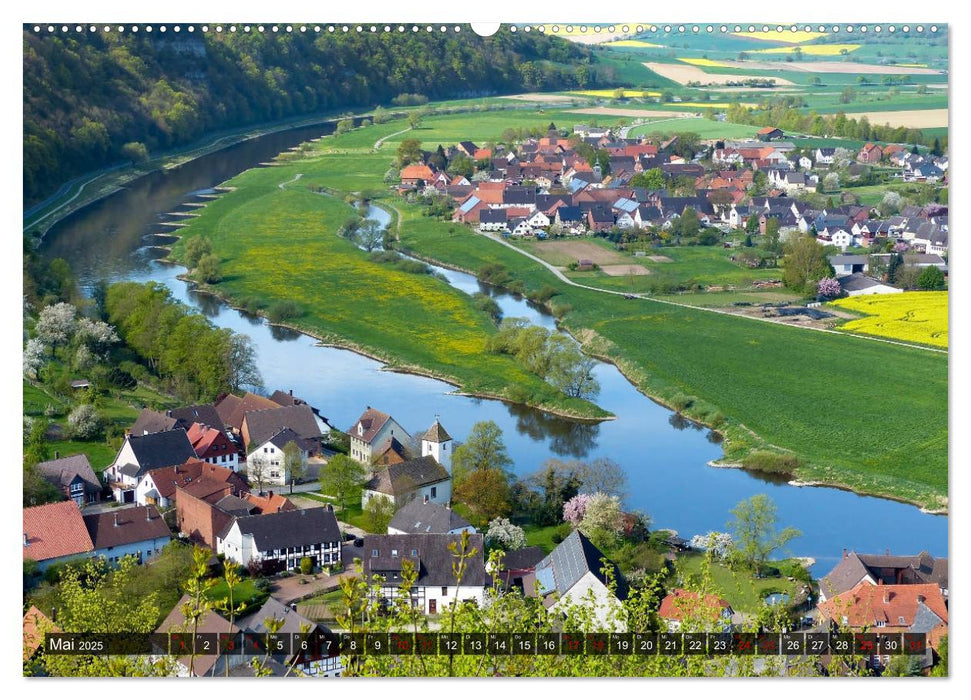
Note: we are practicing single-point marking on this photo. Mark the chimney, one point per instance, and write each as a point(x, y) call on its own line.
point(148, 514)
point(920, 598)
point(26, 543)
point(426, 498)
point(116, 520)
point(271, 494)
point(887, 596)
point(291, 392)
point(844, 552)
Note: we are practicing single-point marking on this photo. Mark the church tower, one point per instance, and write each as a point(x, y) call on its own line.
point(437, 443)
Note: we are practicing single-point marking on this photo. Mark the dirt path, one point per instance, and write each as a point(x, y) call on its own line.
point(563, 278)
point(377, 144)
point(290, 181)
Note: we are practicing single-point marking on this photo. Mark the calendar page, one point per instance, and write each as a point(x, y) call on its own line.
point(438, 349)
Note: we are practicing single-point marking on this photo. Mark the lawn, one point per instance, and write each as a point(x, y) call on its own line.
point(740, 588)
point(245, 592)
point(913, 317)
point(537, 536)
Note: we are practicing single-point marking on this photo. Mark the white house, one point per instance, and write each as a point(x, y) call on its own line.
point(266, 463)
point(572, 574)
point(436, 586)
point(825, 156)
point(538, 220)
point(280, 540)
point(858, 283)
point(142, 453)
point(371, 431)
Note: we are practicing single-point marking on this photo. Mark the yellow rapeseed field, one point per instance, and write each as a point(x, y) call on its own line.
point(610, 93)
point(635, 44)
point(813, 50)
point(704, 62)
point(918, 317)
point(787, 36)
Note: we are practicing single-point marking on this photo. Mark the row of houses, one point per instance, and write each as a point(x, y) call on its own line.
point(545, 184)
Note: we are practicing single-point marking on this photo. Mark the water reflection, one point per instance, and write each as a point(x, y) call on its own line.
point(566, 438)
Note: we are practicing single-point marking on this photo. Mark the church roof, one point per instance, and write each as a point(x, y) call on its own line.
point(436, 433)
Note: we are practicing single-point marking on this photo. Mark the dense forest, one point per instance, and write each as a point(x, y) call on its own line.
point(95, 99)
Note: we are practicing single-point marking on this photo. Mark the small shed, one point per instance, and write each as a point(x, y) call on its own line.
point(584, 264)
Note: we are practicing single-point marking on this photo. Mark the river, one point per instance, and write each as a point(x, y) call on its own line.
point(665, 458)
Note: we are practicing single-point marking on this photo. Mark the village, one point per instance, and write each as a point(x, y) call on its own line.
point(593, 181)
point(240, 478)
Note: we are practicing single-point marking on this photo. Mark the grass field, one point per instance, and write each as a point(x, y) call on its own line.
point(705, 128)
point(914, 317)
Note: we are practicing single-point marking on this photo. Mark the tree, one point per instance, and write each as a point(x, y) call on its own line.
point(344, 125)
point(306, 565)
point(35, 357)
point(135, 151)
point(559, 482)
point(570, 371)
point(369, 234)
point(244, 374)
point(409, 151)
point(56, 324)
point(829, 288)
point(293, 462)
point(831, 182)
point(652, 179)
point(804, 264)
point(378, 513)
point(603, 475)
point(258, 470)
point(930, 278)
point(85, 422)
point(208, 270)
point(484, 449)
point(772, 234)
point(752, 224)
point(890, 204)
point(196, 248)
point(486, 492)
point(37, 489)
point(414, 119)
point(575, 509)
point(602, 521)
point(96, 336)
point(504, 535)
point(340, 477)
point(754, 529)
point(379, 115)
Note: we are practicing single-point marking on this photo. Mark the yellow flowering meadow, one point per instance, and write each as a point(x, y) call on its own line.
point(787, 36)
point(704, 62)
point(813, 50)
point(918, 317)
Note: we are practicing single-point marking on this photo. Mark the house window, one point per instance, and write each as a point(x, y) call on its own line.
point(444, 590)
point(374, 552)
point(881, 623)
point(394, 552)
point(265, 450)
point(414, 552)
point(434, 491)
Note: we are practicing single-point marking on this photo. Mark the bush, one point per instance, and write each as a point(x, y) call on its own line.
point(306, 566)
point(680, 402)
point(771, 462)
point(283, 311)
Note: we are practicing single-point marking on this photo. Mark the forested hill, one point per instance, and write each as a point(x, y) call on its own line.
point(87, 95)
